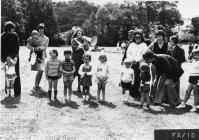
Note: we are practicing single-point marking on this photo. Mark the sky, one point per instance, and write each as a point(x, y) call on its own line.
point(187, 8)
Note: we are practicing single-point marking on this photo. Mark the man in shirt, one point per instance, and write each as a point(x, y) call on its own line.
point(168, 72)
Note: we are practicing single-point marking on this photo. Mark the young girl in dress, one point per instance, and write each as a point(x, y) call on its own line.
point(102, 75)
point(53, 73)
point(86, 72)
point(10, 74)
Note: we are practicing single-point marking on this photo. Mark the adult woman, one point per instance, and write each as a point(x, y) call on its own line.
point(135, 51)
point(39, 66)
point(78, 43)
point(10, 48)
point(159, 46)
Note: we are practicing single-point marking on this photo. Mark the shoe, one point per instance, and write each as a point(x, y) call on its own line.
point(182, 105)
point(193, 109)
point(141, 106)
point(148, 106)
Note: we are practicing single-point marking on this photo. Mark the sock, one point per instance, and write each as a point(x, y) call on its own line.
point(49, 94)
point(55, 94)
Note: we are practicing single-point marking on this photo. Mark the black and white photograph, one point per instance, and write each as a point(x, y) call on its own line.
point(99, 70)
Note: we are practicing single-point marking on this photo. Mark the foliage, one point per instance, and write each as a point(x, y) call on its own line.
point(195, 28)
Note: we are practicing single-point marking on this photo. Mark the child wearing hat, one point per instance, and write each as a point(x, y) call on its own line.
point(193, 81)
point(127, 79)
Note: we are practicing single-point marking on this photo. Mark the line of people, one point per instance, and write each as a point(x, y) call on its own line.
point(149, 71)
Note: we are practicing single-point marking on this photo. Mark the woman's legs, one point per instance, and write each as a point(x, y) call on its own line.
point(38, 78)
point(79, 79)
point(196, 94)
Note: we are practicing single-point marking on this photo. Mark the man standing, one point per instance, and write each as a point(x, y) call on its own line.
point(168, 72)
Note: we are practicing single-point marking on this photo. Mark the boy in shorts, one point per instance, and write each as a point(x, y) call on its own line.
point(68, 68)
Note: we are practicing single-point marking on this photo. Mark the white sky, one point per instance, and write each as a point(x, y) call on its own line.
point(187, 8)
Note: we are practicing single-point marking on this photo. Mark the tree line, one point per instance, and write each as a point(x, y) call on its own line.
point(110, 22)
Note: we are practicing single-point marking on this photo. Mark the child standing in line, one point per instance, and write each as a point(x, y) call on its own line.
point(145, 83)
point(52, 73)
point(127, 79)
point(86, 72)
point(10, 74)
point(68, 68)
point(102, 75)
point(193, 81)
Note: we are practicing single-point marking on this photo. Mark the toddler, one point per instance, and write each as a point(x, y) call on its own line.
point(86, 72)
point(145, 83)
point(127, 79)
point(102, 75)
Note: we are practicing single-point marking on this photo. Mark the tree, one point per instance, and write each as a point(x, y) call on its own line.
point(195, 28)
point(41, 12)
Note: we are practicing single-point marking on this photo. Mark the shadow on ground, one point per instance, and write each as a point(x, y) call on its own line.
point(39, 94)
point(78, 94)
point(10, 102)
point(59, 104)
point(108, 104)
point(91, 103)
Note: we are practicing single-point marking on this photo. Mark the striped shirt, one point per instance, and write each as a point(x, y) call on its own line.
point(52, 67)
point(67, 65)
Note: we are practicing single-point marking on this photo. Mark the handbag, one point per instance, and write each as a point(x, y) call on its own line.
point(33, 58)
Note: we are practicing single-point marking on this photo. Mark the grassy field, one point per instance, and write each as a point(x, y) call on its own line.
point(35, 118)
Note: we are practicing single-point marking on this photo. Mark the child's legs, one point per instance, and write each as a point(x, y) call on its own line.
point(103, 90)
point(98, 90)
point(147, 98)
point(188, 92)
point(143, 94)
point(196, 94)
point(65, 87)
point(55, 82)
point(70, 88)
point(50, 84)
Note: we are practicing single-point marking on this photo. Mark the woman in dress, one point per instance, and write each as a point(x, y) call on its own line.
point(39, 65)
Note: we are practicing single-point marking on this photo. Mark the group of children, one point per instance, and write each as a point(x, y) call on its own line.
point(55, 69)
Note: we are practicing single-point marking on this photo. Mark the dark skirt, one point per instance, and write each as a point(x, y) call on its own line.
point(126, 86)
point(193, 79)
point(86, 80)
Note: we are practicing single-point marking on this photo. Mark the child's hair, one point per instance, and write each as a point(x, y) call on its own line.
point(53, 51)
point(67, 52)
point(102, 56)
point(144, 67)
point(87, 56)
point(34, 32)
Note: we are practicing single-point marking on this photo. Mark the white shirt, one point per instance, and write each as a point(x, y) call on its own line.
point(127, 75)
point(135, 51)
point(194, 69)
point(102, 70)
